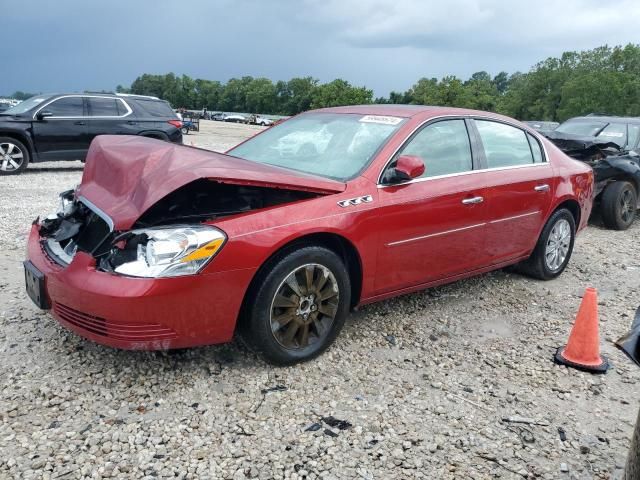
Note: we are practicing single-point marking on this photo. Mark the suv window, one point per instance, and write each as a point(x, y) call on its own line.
point(156, 108)
point(504, 145)
point(104, 107)
point(616, 133)
point(444, 147)
point(66, 107)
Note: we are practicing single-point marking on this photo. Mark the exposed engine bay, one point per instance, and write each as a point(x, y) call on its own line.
point(609, 161)
point(168, 239)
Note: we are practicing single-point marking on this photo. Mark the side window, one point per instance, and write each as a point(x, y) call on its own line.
point(634, 135)
point(122, 108)
point(536, 150)
point(504, 145)
point(616, 133)
point(66, 107)
point(444, 148)
point(103, 107)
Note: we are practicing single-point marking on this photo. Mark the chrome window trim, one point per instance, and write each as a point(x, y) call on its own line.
point(97, 211)
point(470, 172)
point(88, 117)
point(469, 117)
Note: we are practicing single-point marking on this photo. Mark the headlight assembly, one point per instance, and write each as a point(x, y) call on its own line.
point(167, 251)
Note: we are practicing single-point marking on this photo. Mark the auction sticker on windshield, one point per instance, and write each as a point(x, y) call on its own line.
point(381, 119)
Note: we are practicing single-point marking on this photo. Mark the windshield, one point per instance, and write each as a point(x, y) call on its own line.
point(337, 146)
point(25, 106)
point(581, 127)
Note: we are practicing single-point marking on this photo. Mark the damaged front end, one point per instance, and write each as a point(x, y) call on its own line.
point(168, 240)
point(78, 225)
point(608, 160)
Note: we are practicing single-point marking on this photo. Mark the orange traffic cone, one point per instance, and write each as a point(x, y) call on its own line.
point(583, 349)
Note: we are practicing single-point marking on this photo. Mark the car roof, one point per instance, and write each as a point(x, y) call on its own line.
point(408, 111)
point(606, 118)
point(103, 94)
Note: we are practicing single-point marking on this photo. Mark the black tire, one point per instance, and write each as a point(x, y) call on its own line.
point(618, 205)
point(256, 322)
point(538, 264)
point(13, 152)
point(185, 130)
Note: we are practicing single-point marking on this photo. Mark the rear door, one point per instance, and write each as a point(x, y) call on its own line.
point(110, 116)
point(64, 134)
point(432, 227)
point(519, 183)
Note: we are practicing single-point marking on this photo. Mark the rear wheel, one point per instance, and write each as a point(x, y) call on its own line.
point(554, 247)
point(14, 156)
point(185, 130)
point(619, 204)
point(299, 306)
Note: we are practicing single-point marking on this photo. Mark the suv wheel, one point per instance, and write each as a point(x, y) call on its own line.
point(619, 204)
point(14, 156)
point(299, 306)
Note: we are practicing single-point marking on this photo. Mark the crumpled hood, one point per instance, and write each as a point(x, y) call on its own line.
point(125, 175)
point(580, 144)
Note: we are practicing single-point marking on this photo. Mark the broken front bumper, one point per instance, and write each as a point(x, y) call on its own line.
point(140, 313)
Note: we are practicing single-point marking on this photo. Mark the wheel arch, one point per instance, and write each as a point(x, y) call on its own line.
point(158, 135)
point(573, 206)
point(337, 243)
point(23, 138)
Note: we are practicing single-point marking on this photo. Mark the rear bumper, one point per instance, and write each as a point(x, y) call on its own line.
point(137, 313)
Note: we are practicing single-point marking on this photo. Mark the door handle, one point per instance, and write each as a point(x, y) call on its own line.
point(131, 122)
point(79, 122)
point(473, 200)
point(541, 188)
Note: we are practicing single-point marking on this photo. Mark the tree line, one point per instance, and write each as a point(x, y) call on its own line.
point(604, 79)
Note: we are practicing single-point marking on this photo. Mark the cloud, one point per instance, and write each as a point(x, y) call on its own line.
point(475, 24)
point(73, 45)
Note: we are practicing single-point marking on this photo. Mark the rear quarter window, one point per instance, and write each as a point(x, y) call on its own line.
point(156, 108)
point(504, 145)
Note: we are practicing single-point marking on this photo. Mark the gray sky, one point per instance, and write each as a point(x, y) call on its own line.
point(73, 45)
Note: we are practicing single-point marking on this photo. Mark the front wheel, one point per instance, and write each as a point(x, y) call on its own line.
point(185, 130)
point(298, 306)
point(618, 205)
point(553, 250)
point(14, 156)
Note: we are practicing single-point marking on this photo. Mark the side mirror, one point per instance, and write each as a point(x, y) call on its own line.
point(407, 168)
point(44, 114)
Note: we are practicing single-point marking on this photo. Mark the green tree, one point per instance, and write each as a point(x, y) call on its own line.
point(340, 92)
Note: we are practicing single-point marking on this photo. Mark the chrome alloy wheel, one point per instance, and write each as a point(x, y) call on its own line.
point(627, 208)
point(304, 306)
point(558, 245)
point(11, 157)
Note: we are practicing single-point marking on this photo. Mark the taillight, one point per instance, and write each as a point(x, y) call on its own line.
point(175, 123)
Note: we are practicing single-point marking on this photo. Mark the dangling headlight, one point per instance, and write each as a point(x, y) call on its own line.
point(167, 251)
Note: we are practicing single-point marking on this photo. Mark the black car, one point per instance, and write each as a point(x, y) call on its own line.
point(61, 126)
point(611, 146)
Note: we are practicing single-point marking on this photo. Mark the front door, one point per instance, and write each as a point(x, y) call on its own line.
point(432, 227)
point(64, 134)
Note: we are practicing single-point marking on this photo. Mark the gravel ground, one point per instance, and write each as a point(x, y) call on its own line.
point(423, 380)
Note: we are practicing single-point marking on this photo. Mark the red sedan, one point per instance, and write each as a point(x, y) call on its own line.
point(164, 246)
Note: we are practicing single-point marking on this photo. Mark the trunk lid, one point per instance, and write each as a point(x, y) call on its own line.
point(126, 175)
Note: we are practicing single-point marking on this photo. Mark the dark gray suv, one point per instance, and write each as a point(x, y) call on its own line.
point(61, 126)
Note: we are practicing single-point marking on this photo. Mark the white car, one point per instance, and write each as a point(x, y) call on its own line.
point(265, 122)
